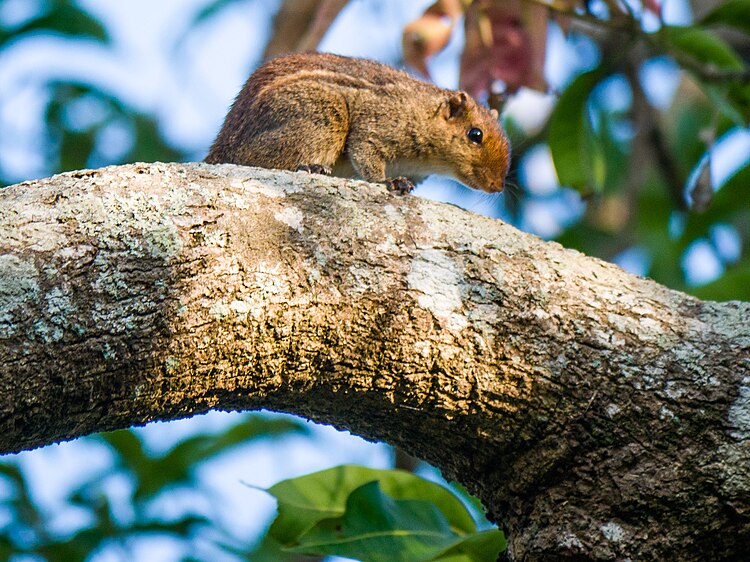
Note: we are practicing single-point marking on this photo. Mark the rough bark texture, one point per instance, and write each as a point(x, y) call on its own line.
point(598, 415)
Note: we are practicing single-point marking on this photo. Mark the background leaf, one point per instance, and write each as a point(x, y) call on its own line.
point(376, 526)
point(734, 13)
point(702, 45)
point(67, 19)
point(306, 500)
point(570, 136)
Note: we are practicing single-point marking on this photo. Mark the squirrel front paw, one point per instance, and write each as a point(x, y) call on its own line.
point(314, 169)
point(400, 185)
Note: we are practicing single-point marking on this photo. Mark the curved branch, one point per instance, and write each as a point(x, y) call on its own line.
point(598, 415)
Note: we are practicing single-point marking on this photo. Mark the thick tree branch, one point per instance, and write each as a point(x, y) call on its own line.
point(598, 415)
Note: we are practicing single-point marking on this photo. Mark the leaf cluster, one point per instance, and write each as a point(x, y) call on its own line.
point(374, 515)
point(117, 522)
point(84, 124)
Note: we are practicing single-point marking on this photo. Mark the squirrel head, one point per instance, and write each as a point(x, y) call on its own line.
point(478, 149)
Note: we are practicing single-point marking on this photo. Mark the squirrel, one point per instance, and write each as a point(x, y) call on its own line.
point(354, 117)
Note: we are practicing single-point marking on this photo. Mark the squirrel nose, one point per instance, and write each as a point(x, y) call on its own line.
point(495, 186)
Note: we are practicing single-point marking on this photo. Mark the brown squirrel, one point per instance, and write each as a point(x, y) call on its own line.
point(355, 117)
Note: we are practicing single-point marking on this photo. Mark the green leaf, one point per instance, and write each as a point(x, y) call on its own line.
point(75, 149)
point(309, 499)
point(571, 139)
point(729, 207)
point(595, 151)
point(472, 503)
point(20, 502)
point(67, 19)
point(734, 13)
point(127, 446)
point(269, 550)
point(12, 473)
point(703, 46)
point(150, 145)
point(377, 527)
point(254, 427)
point(739, 94)
point(184, 526)
point(706, 48)
point(481, 546)
point(82, 544)
point(720, 98)
point(724, 207)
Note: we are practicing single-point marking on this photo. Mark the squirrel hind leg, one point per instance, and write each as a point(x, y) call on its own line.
point(294, 146)
point(306, 130)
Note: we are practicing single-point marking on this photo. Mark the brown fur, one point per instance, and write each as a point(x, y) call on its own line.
point(359, 117)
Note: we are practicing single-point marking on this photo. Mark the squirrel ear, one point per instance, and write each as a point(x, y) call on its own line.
point(454, 105)
point(494, 113)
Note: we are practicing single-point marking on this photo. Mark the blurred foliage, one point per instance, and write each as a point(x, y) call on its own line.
point(642, 171)
point(55, 16)
point(147, 477)
point(79, 117)
point(647, 184)
point(73, 145)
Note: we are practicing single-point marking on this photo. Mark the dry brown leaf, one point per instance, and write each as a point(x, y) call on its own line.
point(611, 213)
point(451, 8)
point(506, 41)
point(653, 6)
point(430, 33)
point(423, 38)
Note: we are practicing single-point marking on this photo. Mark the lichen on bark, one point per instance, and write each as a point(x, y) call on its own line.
point(598, 415)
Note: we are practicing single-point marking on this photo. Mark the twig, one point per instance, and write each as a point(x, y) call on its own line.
point(627, 23)
point(623, 24)
point(710, 72)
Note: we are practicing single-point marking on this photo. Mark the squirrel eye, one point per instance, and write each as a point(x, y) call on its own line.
point(475, 135)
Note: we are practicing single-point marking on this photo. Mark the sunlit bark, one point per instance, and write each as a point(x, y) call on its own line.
point(598, 415)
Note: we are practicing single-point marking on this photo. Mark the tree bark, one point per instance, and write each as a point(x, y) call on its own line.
point(598, 415)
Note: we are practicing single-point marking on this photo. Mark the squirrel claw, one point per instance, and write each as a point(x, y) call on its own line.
point(314, 169)
point(400, 185)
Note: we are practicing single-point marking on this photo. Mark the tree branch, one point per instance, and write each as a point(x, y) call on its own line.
point(598, 415)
